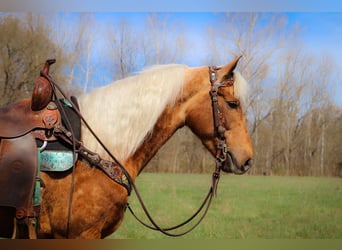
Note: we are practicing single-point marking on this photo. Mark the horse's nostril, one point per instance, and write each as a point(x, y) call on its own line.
point(248, 164)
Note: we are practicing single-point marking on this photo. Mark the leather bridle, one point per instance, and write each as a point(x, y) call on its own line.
point(219, 128)
point(127, 182)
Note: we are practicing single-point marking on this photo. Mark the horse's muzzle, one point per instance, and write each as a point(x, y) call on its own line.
point(231, 167)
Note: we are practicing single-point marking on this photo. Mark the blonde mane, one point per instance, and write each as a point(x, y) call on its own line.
point(124, 112)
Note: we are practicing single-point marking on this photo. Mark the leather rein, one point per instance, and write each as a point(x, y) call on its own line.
point(112, 168)
point(220, 158)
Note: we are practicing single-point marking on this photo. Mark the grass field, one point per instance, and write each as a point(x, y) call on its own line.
point(246, 207)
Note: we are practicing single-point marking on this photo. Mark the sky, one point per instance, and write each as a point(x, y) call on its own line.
point(321, 21)
point(171, 5)
point(321, 30)
point(321, 33)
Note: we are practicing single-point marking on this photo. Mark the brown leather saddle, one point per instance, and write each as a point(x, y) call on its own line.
point(21, 123)
point(24, 126)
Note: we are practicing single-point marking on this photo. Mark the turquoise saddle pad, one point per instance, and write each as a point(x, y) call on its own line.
point(56, 160)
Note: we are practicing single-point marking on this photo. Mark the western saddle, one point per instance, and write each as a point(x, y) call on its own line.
point(21, 124)
point(26, 125)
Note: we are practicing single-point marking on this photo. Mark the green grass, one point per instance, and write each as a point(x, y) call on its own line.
point(246, 207)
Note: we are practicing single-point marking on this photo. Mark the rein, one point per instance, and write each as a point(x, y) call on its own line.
point(220, 158)
point(111, 168)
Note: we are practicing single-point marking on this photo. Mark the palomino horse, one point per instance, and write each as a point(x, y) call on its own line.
point(133, 118)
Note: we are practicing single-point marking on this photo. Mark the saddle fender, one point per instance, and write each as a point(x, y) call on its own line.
point(18, 168)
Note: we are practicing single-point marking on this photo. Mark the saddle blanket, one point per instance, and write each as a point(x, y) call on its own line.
point(56, 160)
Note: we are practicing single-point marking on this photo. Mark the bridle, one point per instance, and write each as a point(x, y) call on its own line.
point(219, 129)
point(126, 181)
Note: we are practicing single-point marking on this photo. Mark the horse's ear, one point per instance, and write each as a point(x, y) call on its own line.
point(226, 71)
point(235, 62)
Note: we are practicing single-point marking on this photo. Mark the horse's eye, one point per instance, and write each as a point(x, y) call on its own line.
point(233, 104)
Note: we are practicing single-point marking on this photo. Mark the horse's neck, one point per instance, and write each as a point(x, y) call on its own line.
point(166, 126)
point(169, 122)
point(135, 128)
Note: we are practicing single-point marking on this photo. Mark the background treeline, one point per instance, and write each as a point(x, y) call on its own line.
point(295, 124)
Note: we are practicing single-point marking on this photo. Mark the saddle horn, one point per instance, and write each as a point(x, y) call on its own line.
point(42, 91)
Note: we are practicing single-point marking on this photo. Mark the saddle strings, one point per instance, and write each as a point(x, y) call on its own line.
point(73, 141)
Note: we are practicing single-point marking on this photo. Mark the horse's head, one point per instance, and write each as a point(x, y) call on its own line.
point(219, 95)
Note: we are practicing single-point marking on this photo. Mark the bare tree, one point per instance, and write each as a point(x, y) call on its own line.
point(299, 115)
point(259, 38)
point(75, 34)
point(320, 103)
point(165, 41)
point(122, 48)
point(288, 136)
point(25, 45)
point(285, 109)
